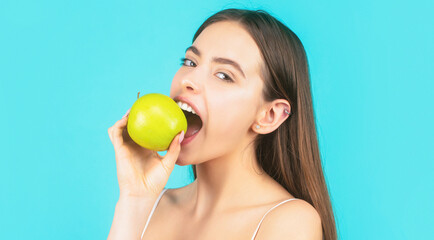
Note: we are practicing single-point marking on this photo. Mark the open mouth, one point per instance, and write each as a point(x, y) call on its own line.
point(194, 123)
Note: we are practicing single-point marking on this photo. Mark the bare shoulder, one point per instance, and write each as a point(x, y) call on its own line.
point(296, 219)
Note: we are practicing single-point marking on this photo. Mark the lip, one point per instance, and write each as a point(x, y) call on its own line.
point(189, 139)
point(186, 100)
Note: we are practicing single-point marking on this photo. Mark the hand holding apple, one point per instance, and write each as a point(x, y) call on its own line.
point(141, 172)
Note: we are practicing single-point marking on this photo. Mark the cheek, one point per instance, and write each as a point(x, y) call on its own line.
point(228, 129)
point(233, 109)
point(232, 119)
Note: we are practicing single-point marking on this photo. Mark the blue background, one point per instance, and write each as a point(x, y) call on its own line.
point(70, 69)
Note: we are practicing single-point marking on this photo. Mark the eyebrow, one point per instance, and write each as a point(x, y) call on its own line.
point(219, 60)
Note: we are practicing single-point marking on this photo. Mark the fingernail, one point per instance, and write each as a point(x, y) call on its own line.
point(126, 114)
point(181, 137)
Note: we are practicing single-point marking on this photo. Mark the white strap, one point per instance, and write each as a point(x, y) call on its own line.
point(257, 228)
point(152, 211)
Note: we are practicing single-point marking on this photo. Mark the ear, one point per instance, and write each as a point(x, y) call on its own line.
point(271, 116)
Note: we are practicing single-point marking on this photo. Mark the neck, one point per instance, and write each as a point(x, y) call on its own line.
point(226, 182)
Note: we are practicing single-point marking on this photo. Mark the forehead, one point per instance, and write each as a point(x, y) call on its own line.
point(230, 40)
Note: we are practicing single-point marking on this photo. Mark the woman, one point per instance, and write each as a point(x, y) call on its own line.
point(253, 143)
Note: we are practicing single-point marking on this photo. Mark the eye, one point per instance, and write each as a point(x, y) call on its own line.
point(224, 77)
point(187, 62)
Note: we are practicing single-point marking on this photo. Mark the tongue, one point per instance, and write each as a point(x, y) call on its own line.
point(191, 130)
point(194, 124)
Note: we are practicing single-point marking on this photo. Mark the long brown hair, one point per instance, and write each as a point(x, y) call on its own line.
point(290, 154)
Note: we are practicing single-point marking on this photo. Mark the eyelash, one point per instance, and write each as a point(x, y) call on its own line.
point(183, 60)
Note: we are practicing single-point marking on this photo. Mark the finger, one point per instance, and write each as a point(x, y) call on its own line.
point(125, 136)
point(127, 113)
point(117, 130)
point(110, 130)
point(173, 152)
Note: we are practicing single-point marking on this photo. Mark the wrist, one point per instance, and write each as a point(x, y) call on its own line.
point(138, 195)
point(129, 196)
point(136, 201)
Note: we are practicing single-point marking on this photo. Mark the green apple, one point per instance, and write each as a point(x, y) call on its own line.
point(154, 120)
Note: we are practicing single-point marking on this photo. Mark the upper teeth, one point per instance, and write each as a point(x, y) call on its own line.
point(186, 107)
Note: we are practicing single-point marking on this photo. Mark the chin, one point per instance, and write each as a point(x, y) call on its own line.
point(186, 159)
point(182, 161)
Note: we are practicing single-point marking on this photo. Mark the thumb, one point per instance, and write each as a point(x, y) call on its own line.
point(173, 152)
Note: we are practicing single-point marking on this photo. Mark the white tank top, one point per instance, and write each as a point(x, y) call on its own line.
point(254, 234)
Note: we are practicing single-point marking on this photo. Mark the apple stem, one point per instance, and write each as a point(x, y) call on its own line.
point(138, 95)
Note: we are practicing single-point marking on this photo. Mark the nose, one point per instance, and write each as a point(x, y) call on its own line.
point(190, 86)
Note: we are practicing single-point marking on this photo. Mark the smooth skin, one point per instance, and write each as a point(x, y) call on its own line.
point(231, 193)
